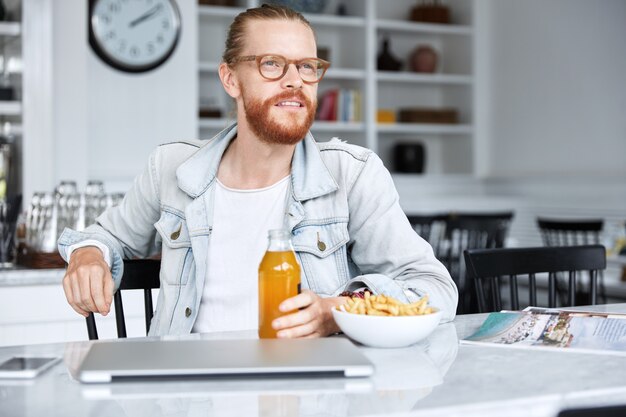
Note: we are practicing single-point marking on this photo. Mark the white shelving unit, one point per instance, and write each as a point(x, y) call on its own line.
point(10, 32)
point(11, 110)
point(354, 42)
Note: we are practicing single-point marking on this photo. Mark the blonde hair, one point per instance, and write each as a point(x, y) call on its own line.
point(236, 33)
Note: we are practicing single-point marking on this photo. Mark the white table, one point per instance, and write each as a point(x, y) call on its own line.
point(436, 378)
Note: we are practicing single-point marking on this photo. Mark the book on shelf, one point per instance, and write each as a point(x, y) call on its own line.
point(554, 329)
point(340, 105)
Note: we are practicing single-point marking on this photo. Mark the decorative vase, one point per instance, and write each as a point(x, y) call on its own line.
point(386, 61)
point(409, 157)
point(424, 59)
point(430, 12)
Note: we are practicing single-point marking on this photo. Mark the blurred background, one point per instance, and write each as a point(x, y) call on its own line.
point(475, 106)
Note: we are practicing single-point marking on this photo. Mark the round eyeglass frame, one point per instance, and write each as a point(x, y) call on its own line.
point(258, 58)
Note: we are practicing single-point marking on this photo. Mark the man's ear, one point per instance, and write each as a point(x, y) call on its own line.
point(229, 80)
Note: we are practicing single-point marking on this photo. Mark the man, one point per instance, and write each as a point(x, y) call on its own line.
point(213, 202)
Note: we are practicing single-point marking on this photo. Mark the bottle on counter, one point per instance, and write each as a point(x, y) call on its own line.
point(279, 279)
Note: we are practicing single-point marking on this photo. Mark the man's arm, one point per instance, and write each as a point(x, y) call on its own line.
point(393, 258)
point(87, 283)
point(126, 230)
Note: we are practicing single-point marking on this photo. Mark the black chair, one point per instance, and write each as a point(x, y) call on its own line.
point(572, 232)
point(470, 231)
point(429, 226)
point(600, 411)
point(139, 274)
point(569, 232)
point(488, 267)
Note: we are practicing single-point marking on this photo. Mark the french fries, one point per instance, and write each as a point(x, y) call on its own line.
point(381, 305)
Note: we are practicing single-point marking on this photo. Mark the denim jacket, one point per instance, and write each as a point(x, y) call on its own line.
point(340, 194)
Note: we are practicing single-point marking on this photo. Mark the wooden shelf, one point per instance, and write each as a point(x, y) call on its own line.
point(337, 126)
point(10, 29)
point(218, 11)
point(10, 108)
point(207, 123)
point(424, 128)
point(333, 20)
point(344, 74)
point(411, 77)
point(433, 28)
point(314, 18)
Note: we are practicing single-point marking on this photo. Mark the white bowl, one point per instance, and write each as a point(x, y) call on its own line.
point(386, 331)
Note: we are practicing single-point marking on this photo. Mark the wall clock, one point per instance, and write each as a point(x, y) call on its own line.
point(134, 35)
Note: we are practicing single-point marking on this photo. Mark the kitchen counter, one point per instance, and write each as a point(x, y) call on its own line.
point(25, 276)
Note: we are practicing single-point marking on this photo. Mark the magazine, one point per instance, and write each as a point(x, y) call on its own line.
point(581, 331)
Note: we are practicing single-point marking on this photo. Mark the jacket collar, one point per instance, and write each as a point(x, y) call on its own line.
point(309, 175)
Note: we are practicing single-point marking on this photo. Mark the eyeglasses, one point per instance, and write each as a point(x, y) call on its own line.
point(274, 67)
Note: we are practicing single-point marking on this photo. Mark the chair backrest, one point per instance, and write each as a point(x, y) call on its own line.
point(591, 411)
point(139, 274)
point(487, 267)
point(470, 231)
point(429, 227)
point(570, 232)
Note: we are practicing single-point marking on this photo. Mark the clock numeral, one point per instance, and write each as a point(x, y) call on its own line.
point(150, 48)
point(110, 35)
point(160, 38)
point(134, 52)
point(105, 18)
point(165, 24)
point(121, 46)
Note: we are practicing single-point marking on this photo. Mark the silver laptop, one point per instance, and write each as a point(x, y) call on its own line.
point(110, 361)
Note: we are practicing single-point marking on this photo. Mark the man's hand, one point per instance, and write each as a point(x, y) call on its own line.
point(314, 318)
point(87, 283)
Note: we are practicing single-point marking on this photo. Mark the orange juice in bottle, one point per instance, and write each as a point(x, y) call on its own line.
point(279, 279)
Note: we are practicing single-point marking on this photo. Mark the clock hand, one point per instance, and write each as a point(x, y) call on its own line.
point(147, 15)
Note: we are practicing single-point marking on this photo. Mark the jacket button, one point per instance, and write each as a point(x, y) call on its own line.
point(175, 235)
point(320, 245)
point(187, 312)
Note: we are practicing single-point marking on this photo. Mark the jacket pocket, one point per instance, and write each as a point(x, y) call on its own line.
point(176, 254)
point(322, 252)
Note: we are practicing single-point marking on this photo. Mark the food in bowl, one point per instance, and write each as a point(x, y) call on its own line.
point(382, 305)
point(377, 326)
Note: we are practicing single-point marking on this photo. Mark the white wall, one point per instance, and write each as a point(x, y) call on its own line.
point(558, 88)
point(86, 120)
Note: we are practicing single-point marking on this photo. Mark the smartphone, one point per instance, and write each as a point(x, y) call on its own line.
point(26, 366)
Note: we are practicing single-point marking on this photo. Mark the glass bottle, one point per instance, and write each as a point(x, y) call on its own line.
point(386, 61)
point(279, 279)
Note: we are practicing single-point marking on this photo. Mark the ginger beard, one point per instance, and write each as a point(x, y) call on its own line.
point(290, 129)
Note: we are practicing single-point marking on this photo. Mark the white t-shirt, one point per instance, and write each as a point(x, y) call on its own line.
point(241, 221)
